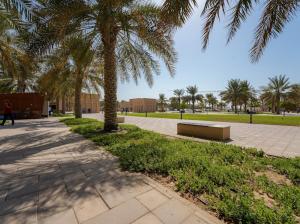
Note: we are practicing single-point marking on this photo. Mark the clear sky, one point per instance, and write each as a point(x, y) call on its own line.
point(210, 70)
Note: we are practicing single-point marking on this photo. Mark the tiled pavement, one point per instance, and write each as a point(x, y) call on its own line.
point(275, 140)
point(49, 175)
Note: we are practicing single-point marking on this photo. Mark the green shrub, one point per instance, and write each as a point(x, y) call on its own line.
point(224, 174)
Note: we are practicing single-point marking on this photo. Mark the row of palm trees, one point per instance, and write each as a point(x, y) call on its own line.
point(125, 39)
point(278, 95)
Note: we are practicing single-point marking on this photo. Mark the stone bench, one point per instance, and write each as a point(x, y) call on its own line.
point(207, 131)
point(120, 119)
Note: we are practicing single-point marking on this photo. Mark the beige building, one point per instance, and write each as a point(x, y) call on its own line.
point(138, 105)
point(90, 103)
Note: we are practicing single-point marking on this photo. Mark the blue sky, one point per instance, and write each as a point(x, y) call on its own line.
point(210, 70)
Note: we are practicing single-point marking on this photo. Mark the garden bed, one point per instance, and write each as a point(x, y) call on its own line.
point(233, 182)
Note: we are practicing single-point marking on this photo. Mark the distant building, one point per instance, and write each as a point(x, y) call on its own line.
point(138, 105)
point(90, 103)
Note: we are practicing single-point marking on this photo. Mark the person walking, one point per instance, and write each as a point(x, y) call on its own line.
point(8, 113)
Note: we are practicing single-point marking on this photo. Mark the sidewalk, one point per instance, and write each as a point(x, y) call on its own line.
point(50, 175)
point(275, 140)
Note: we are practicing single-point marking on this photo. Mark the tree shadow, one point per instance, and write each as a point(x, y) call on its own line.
point(47, 172)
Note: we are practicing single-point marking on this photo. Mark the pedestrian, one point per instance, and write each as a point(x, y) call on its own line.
point(8, 113)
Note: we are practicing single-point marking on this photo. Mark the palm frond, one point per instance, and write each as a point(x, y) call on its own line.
point(276, 15)
point(211, 11)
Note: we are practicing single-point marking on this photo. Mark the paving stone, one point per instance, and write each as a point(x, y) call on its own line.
point(25, 216)
point(3, 194)
point(152, 199)
point(148, 219)
point(16, 204)
point(123, 193)
point(125, 213)
point(65, 217)
point(22, 190)
point(53, 200)
point(88, 207)
point(195, 220)
point(172, 212)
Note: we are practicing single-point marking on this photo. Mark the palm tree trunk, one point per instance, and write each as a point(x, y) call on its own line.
point(278, 104)
point(57, 104)
point(77, 98)
point(193, 105)
point(110, 84)
point(273, 105)
point(63, 104)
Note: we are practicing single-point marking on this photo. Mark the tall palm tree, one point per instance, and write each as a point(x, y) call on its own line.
point(294, 95)
point(179, 94)
point(268, 98)
point(162, 102)
point(69, 70)
point(247, 93)
point(17, 66)
point(209, 99)
point(128, 34)
point(276, 14)
point(200, 99)
point(192, 91)
point(279, 85)
point(232, 93)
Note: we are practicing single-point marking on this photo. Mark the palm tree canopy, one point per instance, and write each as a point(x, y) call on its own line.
point(276, 14)
point(192, 90)
point(280, 84)
point(179, 92)
point(141, 39)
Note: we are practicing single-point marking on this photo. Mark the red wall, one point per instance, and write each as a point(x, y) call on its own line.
point(24, 105)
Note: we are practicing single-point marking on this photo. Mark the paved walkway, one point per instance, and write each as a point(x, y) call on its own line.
point(275, 140)
point(49, 175)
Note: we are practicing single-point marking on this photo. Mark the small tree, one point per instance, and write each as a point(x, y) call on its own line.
point(162, 101)
point(179, 94)
point(192, 91)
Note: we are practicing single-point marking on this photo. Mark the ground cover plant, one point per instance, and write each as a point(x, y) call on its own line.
point(240, 185)
point(239, 118)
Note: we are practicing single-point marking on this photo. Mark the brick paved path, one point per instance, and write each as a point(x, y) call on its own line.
point(275, 140)
point(49, 175)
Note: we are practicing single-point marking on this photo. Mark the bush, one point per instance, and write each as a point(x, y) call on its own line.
point(223, 174)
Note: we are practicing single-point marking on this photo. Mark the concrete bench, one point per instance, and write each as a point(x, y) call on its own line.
point(207, 131)
point(120, 119)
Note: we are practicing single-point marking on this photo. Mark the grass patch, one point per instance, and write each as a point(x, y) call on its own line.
point(224, 175)
point(62, 115)
point(241, 118)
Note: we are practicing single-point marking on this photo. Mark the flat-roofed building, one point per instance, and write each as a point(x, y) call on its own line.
point(138, 105)
point(124, 106)
point(142, 105)
point(90, 103)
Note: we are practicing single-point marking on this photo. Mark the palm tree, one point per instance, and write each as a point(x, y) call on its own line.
point(179, 94)
point(211, 100)
point(17, 66)
point(276, 14)
point(232, 93)
point(247, 92)
point(127, 34)
point(69, 70)
point(192, 91)
point(279, 85)
point(200, 99)
point(268, 98)
point(162, 102)
point(294, 95)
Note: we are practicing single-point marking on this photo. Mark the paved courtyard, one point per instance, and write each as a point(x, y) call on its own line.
point(50, 175)
point(273, 139)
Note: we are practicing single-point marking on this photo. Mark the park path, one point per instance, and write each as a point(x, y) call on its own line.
point(275, 140)
point(50, 175)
